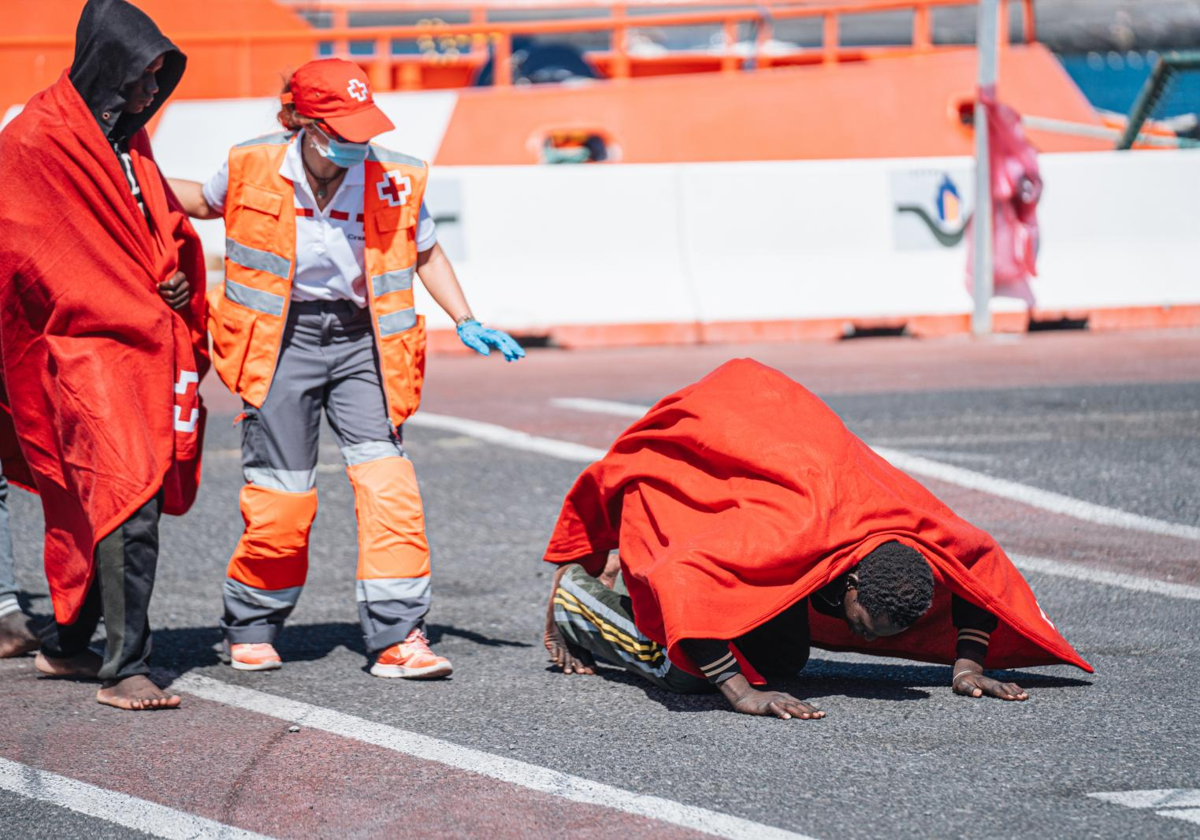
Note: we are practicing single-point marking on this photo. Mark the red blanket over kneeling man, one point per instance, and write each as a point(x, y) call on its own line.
point(737, 496)
point(101, 375)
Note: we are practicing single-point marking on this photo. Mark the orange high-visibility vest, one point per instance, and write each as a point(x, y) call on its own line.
point(248, 312)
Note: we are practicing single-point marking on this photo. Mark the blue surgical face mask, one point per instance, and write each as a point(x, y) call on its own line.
point(338, 152)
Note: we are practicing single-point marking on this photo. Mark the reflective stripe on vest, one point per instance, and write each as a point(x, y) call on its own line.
point(399, 280)
point(397, 322)
point(255, 299)
point(257, 260)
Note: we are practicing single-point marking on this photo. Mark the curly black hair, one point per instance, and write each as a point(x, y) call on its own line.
point(895, 580)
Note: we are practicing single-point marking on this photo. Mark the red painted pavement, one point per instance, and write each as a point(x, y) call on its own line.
point(246, 770)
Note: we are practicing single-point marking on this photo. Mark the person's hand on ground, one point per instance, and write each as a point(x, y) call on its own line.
point(972, 684)
point(176, 291)
point(777, 703)
point(562, 655)
point(482, 339)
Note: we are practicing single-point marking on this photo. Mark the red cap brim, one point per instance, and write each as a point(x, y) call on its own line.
point(361, 126)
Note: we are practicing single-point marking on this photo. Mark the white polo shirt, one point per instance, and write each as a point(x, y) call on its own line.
point(329, 242)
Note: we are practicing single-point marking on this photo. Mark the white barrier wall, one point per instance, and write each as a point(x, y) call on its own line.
point(1120, 229)
point(806, 240)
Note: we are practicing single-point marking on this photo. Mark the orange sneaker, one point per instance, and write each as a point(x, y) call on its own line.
point(411, 660)
point(254, 657)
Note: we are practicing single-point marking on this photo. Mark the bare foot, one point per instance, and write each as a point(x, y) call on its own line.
point(82, 666)
point(136, 694)
point(16, 636)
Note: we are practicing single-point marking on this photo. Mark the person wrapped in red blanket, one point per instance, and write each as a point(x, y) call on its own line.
point(102, 333)
point(751, 524)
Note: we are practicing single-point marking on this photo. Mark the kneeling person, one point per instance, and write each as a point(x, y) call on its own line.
point(752, 525)
point(883, 596)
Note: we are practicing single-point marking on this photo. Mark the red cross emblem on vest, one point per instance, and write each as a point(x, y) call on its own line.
point(394, 188)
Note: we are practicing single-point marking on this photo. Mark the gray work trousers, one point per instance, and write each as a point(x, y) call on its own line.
point(328, 363)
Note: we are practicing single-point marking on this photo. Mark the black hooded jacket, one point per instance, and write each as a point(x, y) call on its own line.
point(114, 44)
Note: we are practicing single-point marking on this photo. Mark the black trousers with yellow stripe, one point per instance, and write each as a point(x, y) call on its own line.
point(600, 620)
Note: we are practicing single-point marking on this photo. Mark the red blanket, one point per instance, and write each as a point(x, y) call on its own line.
point(101, 375)
point(741, 494)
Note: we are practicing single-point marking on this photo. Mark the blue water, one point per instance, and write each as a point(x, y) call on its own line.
point(1111, 81)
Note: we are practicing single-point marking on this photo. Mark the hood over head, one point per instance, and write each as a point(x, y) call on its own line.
point(114, 44)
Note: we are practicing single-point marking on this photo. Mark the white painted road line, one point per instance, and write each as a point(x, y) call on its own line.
point(1058, 568)
point(1191, 815)
point(110, 806)
point(1162, 798)
point(1033, 496)
point(619, 409)
point(508, 770)
point(1177, 803)
point(503, 436)
point(1036, 497)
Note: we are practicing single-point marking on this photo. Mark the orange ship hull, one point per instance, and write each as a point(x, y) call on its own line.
point(829, 103)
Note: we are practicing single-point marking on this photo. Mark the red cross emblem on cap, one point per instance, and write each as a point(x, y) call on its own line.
point(394, 188)
point(336, 92)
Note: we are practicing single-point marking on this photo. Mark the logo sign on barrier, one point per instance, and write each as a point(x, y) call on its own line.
point(930, 207)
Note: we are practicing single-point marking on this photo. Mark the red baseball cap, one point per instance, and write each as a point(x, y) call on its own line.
point(335, 91)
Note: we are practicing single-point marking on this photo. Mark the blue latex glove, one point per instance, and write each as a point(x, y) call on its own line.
point(481, 339)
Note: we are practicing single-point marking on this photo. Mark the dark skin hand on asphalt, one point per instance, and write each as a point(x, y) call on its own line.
point(570, 660)
point(970, 682)
point(968, 679)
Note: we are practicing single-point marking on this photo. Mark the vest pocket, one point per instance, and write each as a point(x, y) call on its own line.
point(387, 221)
point(262, 200)
point(404, 362)
point(232, 329)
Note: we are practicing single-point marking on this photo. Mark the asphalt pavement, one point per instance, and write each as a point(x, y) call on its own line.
point(898, 754)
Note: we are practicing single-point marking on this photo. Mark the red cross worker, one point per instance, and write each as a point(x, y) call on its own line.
point(326, 232)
